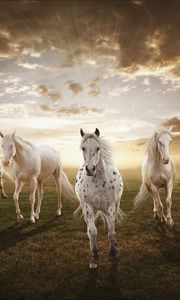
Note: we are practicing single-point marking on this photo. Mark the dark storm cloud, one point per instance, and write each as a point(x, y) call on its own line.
point(137, 33)
point(47, 92)
point(75, 87)
point(174, 122)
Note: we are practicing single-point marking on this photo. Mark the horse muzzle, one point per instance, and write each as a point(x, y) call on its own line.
point(6, 163)
point(165, 161)
point(90, 172)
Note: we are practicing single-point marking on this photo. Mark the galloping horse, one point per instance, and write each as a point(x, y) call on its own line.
point(158, 171)
point(33, 164)
point(99, 188)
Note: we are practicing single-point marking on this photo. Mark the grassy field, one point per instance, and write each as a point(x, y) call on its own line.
point(50, 259)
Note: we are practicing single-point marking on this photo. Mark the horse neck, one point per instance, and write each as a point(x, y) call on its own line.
point(23, 152)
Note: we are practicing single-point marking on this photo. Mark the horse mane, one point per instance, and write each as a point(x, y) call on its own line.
point(106, 152)
point(152, 149)
point(22, 141)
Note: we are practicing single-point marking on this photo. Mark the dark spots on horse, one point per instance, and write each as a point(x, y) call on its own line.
point(113, 187)
point(114, 179)
point(76, 180)
point(87, 185)
point(84, 191)
point(85, 196)
point(104, 183)
point(81, 181)
point(114, 173)
point(111, 181)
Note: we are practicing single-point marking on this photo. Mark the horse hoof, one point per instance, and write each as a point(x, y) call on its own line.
point(36, 216)
point(20, 218)
point(32, 220)
point(113, 253)
point(58, 213)
point(4, 196)
point(93, 265)
point(169, 222)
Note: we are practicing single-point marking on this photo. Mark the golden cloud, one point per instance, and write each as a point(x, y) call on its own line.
point(72, 110)
point(49, 93)
point(75, 87)
point(78, 28)
point(174, 122)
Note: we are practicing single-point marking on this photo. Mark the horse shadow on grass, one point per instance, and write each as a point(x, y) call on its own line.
point(169, 242)
point(14, 234)
point(110, 290)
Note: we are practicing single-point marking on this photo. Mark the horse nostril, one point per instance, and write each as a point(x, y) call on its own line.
point(87, 170)
point(94, 168)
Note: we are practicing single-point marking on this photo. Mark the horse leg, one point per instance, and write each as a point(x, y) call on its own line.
point(18, 187)
point(92, 234)
point(40, 197)
point(3, 194)
point(169, 188)
point(155, 194)
point(110, 218)
point(57, 179)
point(155, 209)
point(32, 198)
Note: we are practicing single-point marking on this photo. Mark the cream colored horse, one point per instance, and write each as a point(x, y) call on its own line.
point(33, 164)
point(158, 171)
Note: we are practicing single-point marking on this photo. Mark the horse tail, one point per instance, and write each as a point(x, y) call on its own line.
point(119, 213)
point(67, 188)
point(8, 177)
point(141, 196)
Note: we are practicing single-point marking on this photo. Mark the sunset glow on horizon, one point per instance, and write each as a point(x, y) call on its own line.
point(66, 65)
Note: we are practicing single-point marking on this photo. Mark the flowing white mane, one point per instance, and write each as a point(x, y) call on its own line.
point(19, 140)
point(152, 149)
point(106, 152)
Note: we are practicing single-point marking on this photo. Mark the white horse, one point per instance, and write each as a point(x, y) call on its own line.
point(158, 171)
point(33, 164)
point(99, 188)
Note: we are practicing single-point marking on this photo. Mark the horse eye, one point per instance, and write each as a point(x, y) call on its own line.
point(83, 149)
point(98, 148)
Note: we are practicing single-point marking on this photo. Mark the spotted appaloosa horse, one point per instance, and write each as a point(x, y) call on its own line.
point(99, 188)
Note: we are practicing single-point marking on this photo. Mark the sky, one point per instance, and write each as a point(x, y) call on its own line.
point(114, 65)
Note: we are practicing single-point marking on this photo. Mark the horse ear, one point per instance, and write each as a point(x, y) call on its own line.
point(2, 135)
point(82, 132)
point(13, 135)
point(170, 129)
point(97, 132)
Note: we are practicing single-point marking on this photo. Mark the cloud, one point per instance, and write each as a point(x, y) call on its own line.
point(174, 122)
point(75, 87)
point(72, 110)
point(78, 28)
point(94, 91)
point(49, 93)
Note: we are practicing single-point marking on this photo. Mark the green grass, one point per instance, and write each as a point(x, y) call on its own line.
point(50, 259)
